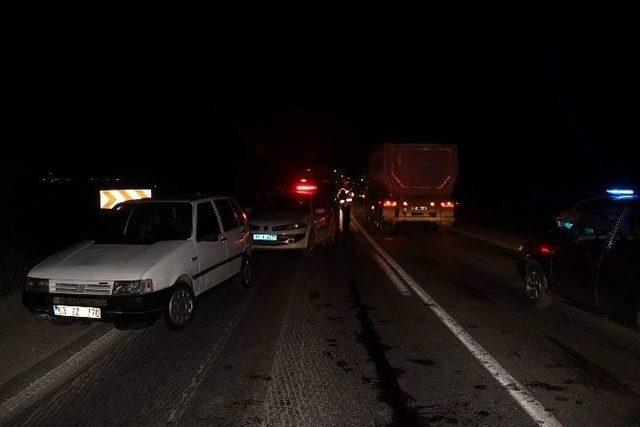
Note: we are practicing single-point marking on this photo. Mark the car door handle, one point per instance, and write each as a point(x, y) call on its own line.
point(193, 258)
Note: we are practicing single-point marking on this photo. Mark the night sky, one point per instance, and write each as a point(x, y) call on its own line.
point(537, 98)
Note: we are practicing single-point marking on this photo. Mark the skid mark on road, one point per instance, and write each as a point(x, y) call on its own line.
point(391, 275)
point(390, 391)
point(538, 413)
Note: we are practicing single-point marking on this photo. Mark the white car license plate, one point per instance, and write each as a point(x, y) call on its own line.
point(75, 311)
point(269, 237)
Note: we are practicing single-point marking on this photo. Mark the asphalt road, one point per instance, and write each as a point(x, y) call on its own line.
point(331, 340)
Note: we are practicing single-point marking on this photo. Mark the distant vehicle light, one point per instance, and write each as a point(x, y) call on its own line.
point(110, 198)
point(566, 224)
point(405, 204)
point(432, 204)
point(447, 204)
point(390, 203)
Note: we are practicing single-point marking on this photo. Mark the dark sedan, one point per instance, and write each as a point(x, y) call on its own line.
point(595, 263)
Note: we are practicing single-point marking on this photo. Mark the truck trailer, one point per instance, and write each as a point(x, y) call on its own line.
point(412, 183)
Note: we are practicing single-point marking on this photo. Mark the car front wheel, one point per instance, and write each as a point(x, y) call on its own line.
point(536, 285)
point(180, 307)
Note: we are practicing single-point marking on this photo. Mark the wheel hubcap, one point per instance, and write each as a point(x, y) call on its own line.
point(180, 306)
point(533, 284)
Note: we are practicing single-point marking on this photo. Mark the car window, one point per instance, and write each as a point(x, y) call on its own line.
point(594, 223)
point(145, 223)
point(238, 212)
point(207, 221)
point(227, 216)
point(630, 226)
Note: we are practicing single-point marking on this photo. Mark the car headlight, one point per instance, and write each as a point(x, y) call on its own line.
point(132, 287)
point(37, 285)
point(295, 226)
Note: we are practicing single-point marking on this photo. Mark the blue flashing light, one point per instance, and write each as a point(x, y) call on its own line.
point(620, 192)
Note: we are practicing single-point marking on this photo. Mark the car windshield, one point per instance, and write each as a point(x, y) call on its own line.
point(145, 223)
point(283, 203)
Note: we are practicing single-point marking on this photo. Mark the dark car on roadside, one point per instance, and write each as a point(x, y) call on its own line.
point(595, 263)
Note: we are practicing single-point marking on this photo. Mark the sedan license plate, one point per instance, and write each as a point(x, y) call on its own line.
point(76, 311)
point(269, 237)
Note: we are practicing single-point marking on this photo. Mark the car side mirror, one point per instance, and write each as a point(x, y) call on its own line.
point(320, 211)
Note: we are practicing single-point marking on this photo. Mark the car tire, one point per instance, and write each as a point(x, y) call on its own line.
point(244, 279)
point(536, 285)
point(180, 307)
point(311, 243)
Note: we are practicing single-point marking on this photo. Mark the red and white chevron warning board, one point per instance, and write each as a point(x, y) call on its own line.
point(110, 198)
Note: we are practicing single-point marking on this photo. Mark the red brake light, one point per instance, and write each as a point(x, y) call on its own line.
point(390, 203)
point(546, 250)
point(447, 204)
point(303, 186)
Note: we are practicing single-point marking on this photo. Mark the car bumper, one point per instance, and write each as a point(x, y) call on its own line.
point(112, 308)
point(285, 241)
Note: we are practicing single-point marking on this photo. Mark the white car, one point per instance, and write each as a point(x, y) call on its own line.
point(292, 221)
point(150, 257)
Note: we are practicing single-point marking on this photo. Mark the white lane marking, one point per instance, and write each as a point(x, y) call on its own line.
point(55, 377)
point(391, 275)
point(521, 395)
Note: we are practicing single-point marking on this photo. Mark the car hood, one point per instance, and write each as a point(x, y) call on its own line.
point(277, 218)
point(92, 261)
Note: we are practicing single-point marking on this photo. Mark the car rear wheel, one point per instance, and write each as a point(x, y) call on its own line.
point(536, 285)
point(180, 307)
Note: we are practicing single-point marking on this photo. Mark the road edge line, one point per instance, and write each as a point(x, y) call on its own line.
point(538, 413)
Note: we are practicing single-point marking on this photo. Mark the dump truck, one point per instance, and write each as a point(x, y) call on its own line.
point(412, 183)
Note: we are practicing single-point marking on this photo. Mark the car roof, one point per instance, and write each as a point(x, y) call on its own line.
point(184, 198)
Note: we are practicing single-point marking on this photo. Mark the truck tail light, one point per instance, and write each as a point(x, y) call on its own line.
point(390, 203)
point(447, 204)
